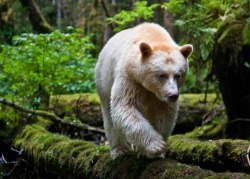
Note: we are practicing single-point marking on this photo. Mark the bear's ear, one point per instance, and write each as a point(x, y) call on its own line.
point(186, 50)
point(146, 50)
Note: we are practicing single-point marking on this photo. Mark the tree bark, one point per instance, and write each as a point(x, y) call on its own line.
point(6, 25)
point(81, 159)
point(37, 20)
point(234, 83)
point(104, 6)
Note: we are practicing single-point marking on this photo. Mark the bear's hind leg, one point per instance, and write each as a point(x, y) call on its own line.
point(118, 144)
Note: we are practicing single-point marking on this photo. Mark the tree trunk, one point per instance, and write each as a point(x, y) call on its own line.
point(234, 82)
point(6, 25)
point(37, 20)
point(77, 158)
point(59, 14)
point(93, 24)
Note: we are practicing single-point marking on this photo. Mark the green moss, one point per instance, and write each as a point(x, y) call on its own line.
point(86, 159)
point(81, 159)
point(178, 170)
point(44, 122)
point(103, 166)
point(55, 150)
point(185, 99)
point(193, 150)
point(91, 97)
point(213, 154)
point(85, 107)
point(213, 130)
point(197, 100)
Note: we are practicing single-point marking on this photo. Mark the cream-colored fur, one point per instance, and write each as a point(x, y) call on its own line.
point(138, 76)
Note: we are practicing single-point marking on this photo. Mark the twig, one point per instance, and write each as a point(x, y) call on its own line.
point(248, 153)
point(52, 117)
point(211, 114)
point(239, 119)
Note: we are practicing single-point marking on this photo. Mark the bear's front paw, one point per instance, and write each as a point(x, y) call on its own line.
point(114, 153)
point(154, 149)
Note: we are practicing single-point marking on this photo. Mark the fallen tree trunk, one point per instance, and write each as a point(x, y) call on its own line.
point(77, 158)
point(218, 155)
point(86, 107)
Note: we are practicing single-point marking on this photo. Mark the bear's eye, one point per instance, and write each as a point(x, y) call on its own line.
point(177, 76)
point(163, 77)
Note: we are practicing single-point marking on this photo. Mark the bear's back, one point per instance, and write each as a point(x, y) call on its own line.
point(152, 33)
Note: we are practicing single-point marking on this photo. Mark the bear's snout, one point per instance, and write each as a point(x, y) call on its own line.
point(172, 97)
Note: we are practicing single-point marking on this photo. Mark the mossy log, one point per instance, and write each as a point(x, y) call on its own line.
point(218, 155)
point(81, 159)
point(86, 107)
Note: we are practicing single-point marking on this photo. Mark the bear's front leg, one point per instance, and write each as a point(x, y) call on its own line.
point(132, 124)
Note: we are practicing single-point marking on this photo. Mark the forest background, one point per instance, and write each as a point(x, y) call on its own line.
point(50, 47)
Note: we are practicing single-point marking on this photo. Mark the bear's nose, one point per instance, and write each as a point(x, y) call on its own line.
point(173, 97)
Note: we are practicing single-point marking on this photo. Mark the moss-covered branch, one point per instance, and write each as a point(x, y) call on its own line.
point(80, 159)
point(52, 117)
point(218, 155)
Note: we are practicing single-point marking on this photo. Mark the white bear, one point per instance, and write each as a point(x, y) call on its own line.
point(138, 76)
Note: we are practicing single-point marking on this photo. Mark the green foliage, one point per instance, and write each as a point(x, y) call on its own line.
point(206, 23)
point(141, 11)
point(55, 63)
point(205, 19)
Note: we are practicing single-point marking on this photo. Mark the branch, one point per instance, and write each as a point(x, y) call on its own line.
point(37, 20)
point(107, 13)
point(239, 119)
point(212, 113)
point(52, 117)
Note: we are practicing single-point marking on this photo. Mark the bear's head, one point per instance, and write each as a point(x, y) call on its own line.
point(163, 69)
